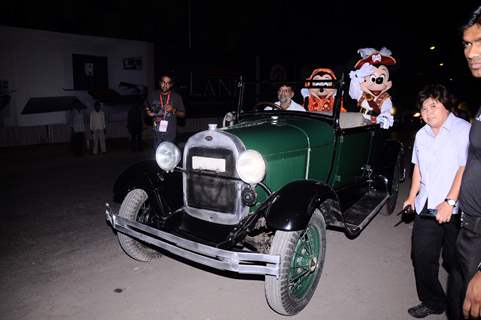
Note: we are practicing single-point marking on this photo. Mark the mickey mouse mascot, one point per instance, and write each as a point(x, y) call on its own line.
point(370, 83)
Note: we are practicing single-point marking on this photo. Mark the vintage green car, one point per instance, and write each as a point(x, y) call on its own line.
point(256, 196)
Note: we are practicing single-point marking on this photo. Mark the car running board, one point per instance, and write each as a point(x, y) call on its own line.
point(360, 213)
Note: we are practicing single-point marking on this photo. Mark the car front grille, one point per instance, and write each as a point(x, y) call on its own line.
point(212, 192)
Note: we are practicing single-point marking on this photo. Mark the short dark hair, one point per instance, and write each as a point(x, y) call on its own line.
point(475, 18)
point(437, 92)
point(286, 84)
point(167, 74)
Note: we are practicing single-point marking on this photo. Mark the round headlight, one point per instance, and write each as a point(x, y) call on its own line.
point(251, 167)
point(167, 156)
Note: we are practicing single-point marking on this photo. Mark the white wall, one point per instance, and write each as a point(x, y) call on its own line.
point(39, 64)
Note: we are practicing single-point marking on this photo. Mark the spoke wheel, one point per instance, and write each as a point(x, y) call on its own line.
point(136, 207)
point(302, 258)
point(304, 264)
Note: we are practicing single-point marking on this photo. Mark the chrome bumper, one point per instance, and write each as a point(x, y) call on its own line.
point(240, 262)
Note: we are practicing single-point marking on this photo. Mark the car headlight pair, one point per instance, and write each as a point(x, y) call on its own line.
point(250, 166)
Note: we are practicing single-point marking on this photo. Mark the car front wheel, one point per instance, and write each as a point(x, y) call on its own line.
point(302, 258)
point(136, 207)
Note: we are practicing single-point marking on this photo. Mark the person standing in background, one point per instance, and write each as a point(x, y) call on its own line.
point(77, 123)
point(97, 127)
point(135, 126)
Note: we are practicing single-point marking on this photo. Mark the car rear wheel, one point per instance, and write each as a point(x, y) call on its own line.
point(302, 258)
point(135, 207)
point(392, 200)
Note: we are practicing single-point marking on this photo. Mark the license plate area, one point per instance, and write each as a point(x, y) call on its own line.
point(208, 163)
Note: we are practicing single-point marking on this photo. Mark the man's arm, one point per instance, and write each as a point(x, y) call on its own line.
point(178, 109)
point(415, 186)
point(444, 209)
point(179, 114)
point(171, 109)
point(147, 105)
point(472, 301)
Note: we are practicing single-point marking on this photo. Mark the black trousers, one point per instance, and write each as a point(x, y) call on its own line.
point(468, 248)
point(78, 143)
point(429, 239)
point(136, 140)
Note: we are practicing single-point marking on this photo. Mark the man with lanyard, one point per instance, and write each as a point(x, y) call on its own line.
point(469, 238)
point(166, 106)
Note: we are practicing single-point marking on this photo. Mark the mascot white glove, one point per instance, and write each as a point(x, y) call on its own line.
point(385, 120)
point(304, 92)
point(357, 77)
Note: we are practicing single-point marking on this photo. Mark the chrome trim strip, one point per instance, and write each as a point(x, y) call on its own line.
point(308, 156)
point(240, 262)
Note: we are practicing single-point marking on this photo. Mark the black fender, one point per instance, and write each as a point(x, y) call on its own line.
point(292, 206)
point(165, 187)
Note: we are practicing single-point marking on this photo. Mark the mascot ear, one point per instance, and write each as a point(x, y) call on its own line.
point(385, 52)
point(366, 52)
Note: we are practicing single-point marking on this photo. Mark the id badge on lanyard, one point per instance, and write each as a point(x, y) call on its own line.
point(163, 124)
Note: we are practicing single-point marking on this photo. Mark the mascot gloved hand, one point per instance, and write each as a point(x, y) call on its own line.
point(358, 77)
point(370, 83)
point(385, 121)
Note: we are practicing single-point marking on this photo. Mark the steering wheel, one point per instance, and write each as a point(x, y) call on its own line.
point(264, 104)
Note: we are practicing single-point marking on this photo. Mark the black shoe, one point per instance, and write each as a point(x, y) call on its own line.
point(421, 311)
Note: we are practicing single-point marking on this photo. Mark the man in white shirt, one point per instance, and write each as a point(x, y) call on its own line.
point(97, 126)
point(439, 156)
point(285, 95)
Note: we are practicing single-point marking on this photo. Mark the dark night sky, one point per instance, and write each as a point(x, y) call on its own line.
point(328, 33)
point(241, 25)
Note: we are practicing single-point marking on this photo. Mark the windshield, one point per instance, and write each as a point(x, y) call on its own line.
point(316, 96)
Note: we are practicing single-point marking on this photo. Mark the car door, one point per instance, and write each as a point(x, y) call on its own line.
point(350, 169)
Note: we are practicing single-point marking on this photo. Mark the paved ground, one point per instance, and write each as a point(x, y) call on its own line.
point(59, 259)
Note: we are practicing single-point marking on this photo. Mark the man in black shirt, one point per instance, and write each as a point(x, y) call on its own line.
point(165, 107)
point(469, 238)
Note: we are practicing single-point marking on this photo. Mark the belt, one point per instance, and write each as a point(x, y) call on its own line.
point(367, 112)
point(470, 222)
point(429, 213)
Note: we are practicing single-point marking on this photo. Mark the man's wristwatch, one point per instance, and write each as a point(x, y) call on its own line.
point(451, 202)
point(479, 267)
